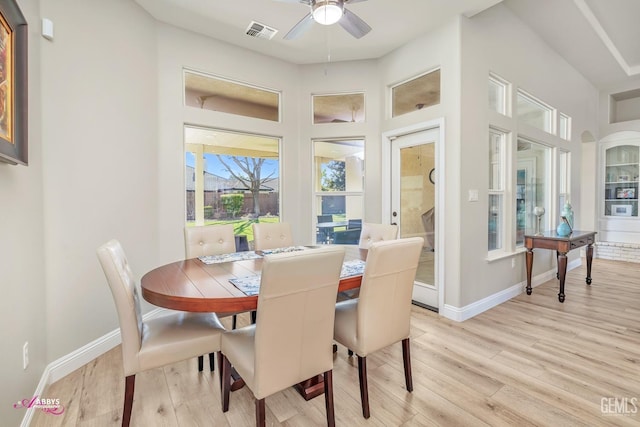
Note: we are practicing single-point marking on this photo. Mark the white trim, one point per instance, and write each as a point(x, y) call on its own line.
point(78, 358)
point(387, 138)
point(460, 314)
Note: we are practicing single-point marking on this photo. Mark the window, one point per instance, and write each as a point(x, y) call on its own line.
point(498, 94)
point(533, 175)
point(218, 94)
point(231, 178)
point(564, 126)
point(339, 186)
point(534, 112)
point(496, 188)
point(416, 94)
point(347, 108)
point(564, 178)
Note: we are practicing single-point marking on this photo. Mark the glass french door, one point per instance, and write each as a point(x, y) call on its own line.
point(413, 204)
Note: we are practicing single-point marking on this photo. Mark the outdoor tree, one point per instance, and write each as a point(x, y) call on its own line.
point(232, 203)
point(249, 173)
point(333, 176)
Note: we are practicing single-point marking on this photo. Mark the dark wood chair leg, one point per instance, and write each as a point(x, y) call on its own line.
point(234, 322)
point(254, 314)
point(129, 386)
point(260, 413)
point(406, 357)
point(212, 362)
point(220, 363)
point(349, 352)
point(364, 391)
point(200, 363)
point(226, 383)
point(328, 398)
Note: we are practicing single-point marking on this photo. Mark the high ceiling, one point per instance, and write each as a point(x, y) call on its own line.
point(600, 38)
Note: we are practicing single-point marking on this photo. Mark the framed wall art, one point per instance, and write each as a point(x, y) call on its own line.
point(13, 84)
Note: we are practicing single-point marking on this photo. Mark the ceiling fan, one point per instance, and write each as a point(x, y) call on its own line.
point(328, 12)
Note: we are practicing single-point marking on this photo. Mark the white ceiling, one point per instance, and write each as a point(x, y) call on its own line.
point(600, 38)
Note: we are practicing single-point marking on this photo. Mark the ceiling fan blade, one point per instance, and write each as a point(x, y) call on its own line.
point(354, 24)
point(300, 27)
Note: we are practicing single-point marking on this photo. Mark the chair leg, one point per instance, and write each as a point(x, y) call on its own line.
point(364, 391)
point(349, 352)
point(260, 413)
point(200, 363)
point(226, 383)
point(220, 363)
point(254, 314)
point(406, 357)
point(212, 362)
point(234, 322)
point(328, 398)
point(129, 386)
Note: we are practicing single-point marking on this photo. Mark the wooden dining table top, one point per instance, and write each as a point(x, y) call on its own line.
point(191, 285)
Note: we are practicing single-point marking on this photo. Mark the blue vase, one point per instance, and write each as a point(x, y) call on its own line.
point(563, 229)
point(567, 212)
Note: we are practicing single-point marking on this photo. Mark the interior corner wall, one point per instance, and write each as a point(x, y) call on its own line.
point(439, 48)
point(22, 276)
point(99, 167)
point(497, 41)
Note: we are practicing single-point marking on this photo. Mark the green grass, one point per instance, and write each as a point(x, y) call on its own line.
point(241, 227)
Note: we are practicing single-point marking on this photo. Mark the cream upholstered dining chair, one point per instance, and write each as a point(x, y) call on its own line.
point(210, 240)
point(381, 314)
point(157, 342)
point(271, 235)
point(376, 232)
point(291, 342)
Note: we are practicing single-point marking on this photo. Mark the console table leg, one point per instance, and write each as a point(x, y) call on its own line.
point(589, 260)
point(562, 270)
point(529, 259)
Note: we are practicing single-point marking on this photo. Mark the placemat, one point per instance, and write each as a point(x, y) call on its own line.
point(250, 285)
point(236, 256)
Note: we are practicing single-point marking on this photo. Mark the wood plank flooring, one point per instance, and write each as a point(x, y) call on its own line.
point(531, 361)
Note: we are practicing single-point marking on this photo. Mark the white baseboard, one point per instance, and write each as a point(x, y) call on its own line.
point(460, 314)
point(76, 359)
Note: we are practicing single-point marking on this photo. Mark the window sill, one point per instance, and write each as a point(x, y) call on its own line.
point(498, 255)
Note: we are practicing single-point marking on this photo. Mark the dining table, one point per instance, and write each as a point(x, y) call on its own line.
point(204, 285)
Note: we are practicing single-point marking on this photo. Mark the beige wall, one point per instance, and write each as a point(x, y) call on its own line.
point(22, 269)
point(496, 41)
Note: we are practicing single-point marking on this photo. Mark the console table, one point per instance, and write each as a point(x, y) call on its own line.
point(562, 245)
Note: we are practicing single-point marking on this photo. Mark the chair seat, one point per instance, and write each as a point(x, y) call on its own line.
point(239, 345)
point(344, 328)
point(178, 336)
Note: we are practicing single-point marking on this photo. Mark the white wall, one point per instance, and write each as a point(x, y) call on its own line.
point(496, 41)
point(99, 130)
point(22, 272)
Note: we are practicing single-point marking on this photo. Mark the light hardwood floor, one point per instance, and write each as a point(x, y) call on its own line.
point(530, 361)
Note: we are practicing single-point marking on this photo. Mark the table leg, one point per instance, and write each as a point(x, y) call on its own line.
point(562, 270)
point(589, 260)
point(529, 269)
point(558, 265)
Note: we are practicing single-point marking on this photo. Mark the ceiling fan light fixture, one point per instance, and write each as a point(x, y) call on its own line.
point(327, 12)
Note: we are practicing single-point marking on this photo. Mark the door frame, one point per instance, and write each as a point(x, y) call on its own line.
point(387, 139)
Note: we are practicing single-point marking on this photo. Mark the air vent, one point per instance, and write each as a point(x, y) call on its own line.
point(261, 31)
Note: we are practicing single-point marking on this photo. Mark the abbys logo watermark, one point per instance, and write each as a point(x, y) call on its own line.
point(50, 406)
point(627, 406)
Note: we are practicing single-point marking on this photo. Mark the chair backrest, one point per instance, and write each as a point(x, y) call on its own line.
point(384, 305)
point(354, 223)
point(325, 218)
point(209, 240)
point(296, 311)
point(376, 232)
point(346, 237)
point(271, 235)
point(125, 295)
